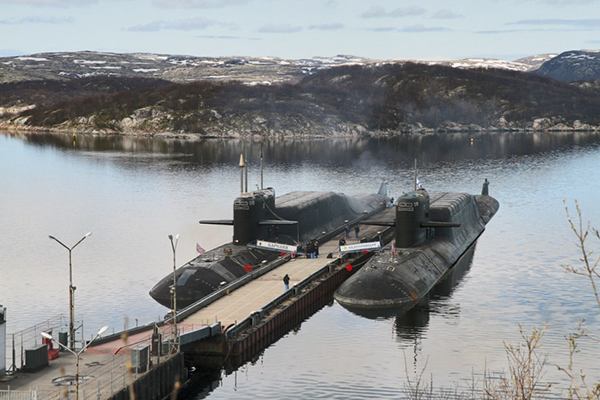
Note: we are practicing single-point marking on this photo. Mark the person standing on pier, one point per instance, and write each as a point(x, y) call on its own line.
point(356, 231)
point(311, 246)
point(286, 281)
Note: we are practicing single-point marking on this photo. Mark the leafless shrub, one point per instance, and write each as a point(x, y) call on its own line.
point(580, 388)
point(525, 371)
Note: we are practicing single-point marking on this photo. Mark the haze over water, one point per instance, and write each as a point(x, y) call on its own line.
point(132, 193)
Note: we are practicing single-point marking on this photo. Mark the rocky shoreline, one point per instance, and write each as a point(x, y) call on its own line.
point(312, 131)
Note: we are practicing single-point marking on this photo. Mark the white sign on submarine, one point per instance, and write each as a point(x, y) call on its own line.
point(351, 248)
point(276, 246)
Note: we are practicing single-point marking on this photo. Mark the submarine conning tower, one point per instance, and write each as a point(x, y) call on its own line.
point(412, 210)
point(248, 210)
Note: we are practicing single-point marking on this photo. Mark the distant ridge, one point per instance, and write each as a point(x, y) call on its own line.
point(574, 65)
point(534, 62)
point(352, 99)
point(174, 68)
point(182, 68)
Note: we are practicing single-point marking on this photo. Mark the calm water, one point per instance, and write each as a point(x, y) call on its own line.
point(132, 193)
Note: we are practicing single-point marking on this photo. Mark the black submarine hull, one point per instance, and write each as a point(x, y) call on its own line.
point(291, 219)
point(432, 233)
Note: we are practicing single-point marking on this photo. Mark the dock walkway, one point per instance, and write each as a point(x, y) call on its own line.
point(108, 372)
point(103, 374)
point(239, 304)
point(242, 302)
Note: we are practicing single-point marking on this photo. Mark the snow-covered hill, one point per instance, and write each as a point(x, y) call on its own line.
point(570, 66)
point(182, 68)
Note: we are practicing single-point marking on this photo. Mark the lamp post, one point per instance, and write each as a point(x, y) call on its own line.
point(174, 247)
point(71, 287)
point(77, 354)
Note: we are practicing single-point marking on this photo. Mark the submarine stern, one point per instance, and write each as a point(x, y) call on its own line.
point(488, 206)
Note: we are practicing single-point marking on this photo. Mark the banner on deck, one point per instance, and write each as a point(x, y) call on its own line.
point(351, 248)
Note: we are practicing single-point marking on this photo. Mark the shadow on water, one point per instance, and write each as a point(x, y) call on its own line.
point(410, 324)
point(398, 150)
point(412, 321)
point(203, 381)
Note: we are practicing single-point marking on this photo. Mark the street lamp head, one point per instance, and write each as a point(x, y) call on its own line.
point(174, 243)
point(102, 330)
point(46, 335)
point(51, 237)
point(88, 234)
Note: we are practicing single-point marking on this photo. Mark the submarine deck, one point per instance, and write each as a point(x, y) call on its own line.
point(239, 304)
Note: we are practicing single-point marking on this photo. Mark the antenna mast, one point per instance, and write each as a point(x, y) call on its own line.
point(246, 172)
point(261, 165)
point(241, 173)
point(416, 175)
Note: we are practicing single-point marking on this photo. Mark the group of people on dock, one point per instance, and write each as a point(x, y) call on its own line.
point(356, 230)
point(311, 249)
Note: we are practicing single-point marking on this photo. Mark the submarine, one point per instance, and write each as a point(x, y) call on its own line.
point(264, 227)
point(432, 232)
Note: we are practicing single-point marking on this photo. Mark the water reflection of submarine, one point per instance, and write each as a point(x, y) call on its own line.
point(411, 319)
point(433, 231)
point(411, 324)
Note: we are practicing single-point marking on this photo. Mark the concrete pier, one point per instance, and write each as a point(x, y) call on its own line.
point(239, 304)
point(261, 311)
point(223, 333)
point(101, 376)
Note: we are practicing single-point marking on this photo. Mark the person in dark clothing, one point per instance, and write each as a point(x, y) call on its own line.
point(310, 249)
point(286, 281)
point(342, 242)
point(485, 189)
point(356, 231)
point(347, 229)
point(316, 247)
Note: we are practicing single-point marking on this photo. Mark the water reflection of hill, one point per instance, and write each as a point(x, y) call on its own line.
point(400, 150)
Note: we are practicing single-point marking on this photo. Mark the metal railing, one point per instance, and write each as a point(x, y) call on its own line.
point(214, 296)
point(101, 382)
point(241, 326)
point(248, 322)
point(17, 343)
point(18, 394)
